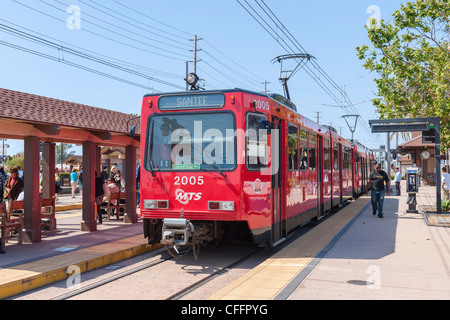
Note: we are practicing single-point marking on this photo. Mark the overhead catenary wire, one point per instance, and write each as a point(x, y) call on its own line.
point(315, 64)
point(128, 45)
point(43, 55)
point(146, 29)
point(77, 53)
point(145, 43)
point(245, 82)
point(98, 55)
point(148, 17)
point(316, 72)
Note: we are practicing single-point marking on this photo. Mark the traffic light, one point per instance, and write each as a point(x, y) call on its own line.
point(394, 156)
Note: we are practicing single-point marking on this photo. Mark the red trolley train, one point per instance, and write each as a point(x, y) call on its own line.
point(237, 164)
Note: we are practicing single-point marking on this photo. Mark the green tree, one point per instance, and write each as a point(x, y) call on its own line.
point(411, 56)
point(16, 160)
point(65, 154)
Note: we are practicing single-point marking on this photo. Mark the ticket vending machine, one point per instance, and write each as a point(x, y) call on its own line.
point(412, 187)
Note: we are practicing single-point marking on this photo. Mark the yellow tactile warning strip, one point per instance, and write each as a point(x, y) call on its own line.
point(21, 278)
point(266, 280)
point(59, 208)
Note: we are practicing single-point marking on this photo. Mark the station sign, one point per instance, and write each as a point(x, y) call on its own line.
point(191, 101)
point(429, 136)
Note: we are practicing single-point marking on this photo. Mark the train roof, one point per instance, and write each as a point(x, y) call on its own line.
point(208, 91)
point(274, 96)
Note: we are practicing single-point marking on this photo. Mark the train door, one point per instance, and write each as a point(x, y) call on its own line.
point(277, 181)
point(341, 173)
point(336, 176)
point(320, 209)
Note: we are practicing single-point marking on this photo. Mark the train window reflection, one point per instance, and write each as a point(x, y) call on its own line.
point(194, 141)
point(293, 147)
point(256, 137)
point(312, 151)
point(326, 154)
point(303, 147)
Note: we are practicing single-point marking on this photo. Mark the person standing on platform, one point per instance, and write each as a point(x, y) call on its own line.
point(20, 175)
point(104, 174)
point(377, 180)
point(138, 184)
point(3, 178)
point(446, 183)
point(74, 181)
point(99, 193)
point(58, 188)
point(397, 180)
point(115, 176)
point(80, 181)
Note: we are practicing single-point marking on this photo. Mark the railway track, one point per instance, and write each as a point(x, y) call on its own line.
point(108, 280)
point(214, 264)
point(159, 263)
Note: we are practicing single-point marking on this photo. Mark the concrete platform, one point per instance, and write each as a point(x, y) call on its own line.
point(28, 266)
point(351, 255)
point(355, 255)
point(66, 202)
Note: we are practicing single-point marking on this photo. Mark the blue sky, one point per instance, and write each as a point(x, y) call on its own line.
point(154, 38)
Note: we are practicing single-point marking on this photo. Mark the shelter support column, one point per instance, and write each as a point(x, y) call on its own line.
point(130, 185)
point(48, 172)
point(98, 160)
point(32, 216)
point(89, 223)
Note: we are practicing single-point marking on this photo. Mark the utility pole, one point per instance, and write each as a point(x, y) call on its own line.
point(388, 155)
point(265, 86)
point(195, 52)
point(187, 71)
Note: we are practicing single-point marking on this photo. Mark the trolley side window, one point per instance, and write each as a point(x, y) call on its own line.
point(256, 142)
point(326, 154)
point(346, 159)
point(312, 151)
point(335, 156)
point(191, 141)
point(303, 147)
point(293, 147)
point(349, 158)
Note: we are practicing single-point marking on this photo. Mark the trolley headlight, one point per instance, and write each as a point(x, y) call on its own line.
point(221, 205)
point(156, 204)
point(192, 79)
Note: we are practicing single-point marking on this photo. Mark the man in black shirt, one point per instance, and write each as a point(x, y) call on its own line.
point(377, 179)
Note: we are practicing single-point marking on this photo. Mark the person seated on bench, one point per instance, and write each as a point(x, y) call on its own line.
point(112, 188)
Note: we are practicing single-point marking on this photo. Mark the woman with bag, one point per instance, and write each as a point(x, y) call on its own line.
point(13, 185)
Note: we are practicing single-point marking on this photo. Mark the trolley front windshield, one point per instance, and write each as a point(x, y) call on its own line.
point(191, 141)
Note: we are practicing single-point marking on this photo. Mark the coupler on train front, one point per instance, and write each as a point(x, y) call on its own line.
point(180, 236)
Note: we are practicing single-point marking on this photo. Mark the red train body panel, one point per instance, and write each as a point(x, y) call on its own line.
point(238, 158)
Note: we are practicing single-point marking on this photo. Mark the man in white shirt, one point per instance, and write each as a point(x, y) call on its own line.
point(397, 180)
point(446, 183)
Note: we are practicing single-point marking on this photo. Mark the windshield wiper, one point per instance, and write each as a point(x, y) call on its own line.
point(215, 167)
point(151, 169)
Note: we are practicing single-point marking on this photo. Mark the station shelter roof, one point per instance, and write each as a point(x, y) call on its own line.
point(52, 120)
point(35, 119)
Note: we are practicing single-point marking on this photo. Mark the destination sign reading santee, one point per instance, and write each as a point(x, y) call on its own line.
point(191, 101)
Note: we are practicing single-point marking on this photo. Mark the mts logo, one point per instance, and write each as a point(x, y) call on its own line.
point(184, 197)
